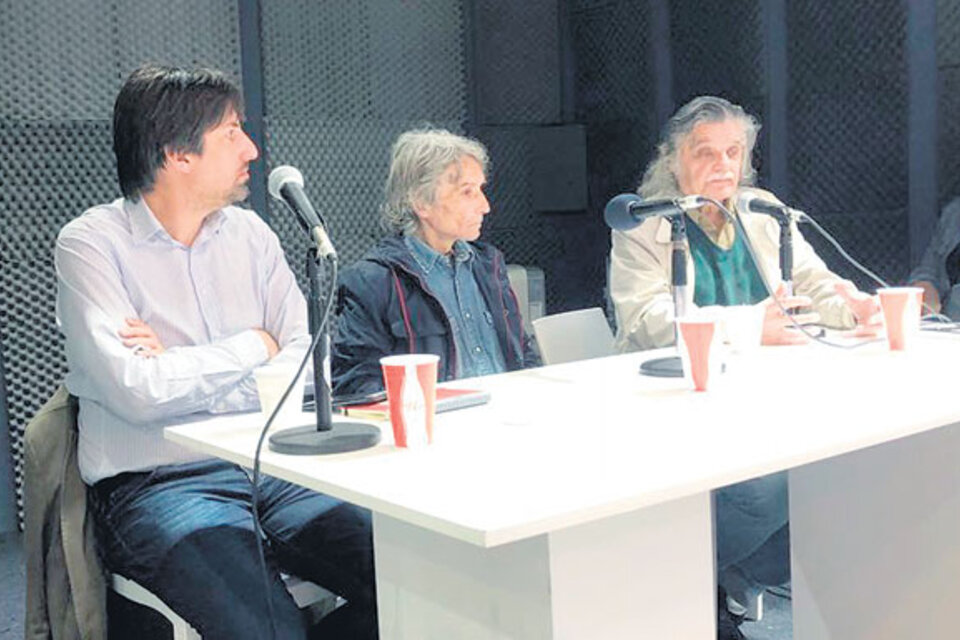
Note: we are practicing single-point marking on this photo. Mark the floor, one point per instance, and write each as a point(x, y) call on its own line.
point(776, 623)
point(12, 584)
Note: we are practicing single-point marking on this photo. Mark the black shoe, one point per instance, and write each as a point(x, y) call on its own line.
point(728, 625)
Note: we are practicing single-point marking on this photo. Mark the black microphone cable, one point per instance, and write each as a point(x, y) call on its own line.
point(766, 283)
point(255, 479)
point(939, 318)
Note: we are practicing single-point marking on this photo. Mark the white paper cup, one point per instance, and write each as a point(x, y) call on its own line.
point(743, 327)
point(272, 381)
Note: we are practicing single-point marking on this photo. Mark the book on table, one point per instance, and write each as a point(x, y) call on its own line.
point(447, 400)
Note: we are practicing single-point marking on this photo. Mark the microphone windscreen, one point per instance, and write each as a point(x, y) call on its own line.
point(617, 214)
point(282, 175)
point(745, 202)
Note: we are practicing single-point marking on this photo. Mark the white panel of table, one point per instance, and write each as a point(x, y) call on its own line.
point(579, 496)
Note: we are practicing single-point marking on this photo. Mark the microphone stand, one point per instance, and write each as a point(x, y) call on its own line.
point(786, 253)
point(325, 436)
point(672, 366)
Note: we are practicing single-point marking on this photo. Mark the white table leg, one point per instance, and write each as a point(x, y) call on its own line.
point(875, 539)
point(645, 574)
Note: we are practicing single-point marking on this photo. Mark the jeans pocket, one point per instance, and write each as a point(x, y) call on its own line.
point(114, 493)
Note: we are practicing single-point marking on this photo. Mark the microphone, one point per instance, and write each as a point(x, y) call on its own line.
point(286, 184)
point(628, 210)
point(750, 203)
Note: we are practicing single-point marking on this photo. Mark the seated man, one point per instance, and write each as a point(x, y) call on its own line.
point(939, 270)
point(169, 298)
point(428, 287)
point(707, 150)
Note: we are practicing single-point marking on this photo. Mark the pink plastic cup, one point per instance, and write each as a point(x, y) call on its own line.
point(901, 315)
point(411, 384)
point(696, 342)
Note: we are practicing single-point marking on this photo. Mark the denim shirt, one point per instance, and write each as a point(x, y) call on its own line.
point(452, 282)
point(933, 266)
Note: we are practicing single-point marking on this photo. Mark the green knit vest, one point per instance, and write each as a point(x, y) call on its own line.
point(723, 277)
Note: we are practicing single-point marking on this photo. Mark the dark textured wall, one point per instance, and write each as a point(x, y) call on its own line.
point(341, 79)
point(61, 64)
point(521, 84)
point(843, 103)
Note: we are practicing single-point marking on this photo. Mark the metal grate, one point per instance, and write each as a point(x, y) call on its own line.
point(55, 151)
point(517, 47)
point(718, 50)
point(948, 106)
point(874, 240)
point(341, 81)
point(847, 148)
point(613, 75)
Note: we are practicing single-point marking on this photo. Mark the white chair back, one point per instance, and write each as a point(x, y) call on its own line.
point(574, 335)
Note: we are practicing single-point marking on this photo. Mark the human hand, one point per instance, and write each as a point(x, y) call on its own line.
point(141, 337)
point(865, 308)
point(780, 328)
point(931, 297)
point(269, 342)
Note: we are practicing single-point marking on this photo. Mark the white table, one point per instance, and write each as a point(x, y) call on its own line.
point(577, 503)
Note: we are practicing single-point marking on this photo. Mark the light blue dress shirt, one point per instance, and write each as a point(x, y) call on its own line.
point(204, 302)
point(451, 280)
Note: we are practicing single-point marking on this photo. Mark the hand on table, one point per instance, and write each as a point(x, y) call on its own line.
point(865, 308)
point(778, 327)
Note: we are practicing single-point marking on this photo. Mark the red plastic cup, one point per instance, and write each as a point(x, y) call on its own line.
point(411, 384)
point(696, 342)
point(902, 308)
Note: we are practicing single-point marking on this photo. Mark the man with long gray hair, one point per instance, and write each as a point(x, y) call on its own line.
point(707, 150)
point(428, 287)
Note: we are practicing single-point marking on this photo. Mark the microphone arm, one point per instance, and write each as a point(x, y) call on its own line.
point(678, 260)
point(786, 254)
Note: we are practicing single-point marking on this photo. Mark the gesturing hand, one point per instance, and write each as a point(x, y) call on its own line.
point(778, 328)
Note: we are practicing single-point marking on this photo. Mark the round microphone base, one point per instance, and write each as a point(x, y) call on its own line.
point(307, 441)
point(668, 367)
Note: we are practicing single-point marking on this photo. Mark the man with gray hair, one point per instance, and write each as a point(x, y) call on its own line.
point(707, 150)
point(428, 287)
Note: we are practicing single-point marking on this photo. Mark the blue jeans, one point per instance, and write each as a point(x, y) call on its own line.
point(752, 529)
point(185, 532)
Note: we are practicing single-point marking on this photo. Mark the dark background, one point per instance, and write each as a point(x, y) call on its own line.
point(858, 100)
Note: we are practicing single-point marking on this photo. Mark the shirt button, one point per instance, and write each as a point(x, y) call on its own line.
point(467, 315)
point(478, 349)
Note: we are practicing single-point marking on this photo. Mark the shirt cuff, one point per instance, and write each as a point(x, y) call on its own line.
point(249, 348)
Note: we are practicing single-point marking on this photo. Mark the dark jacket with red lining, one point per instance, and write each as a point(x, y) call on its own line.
point(384, 307)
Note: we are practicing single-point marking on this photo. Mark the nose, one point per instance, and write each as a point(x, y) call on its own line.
point(250, 151)
point(484, 204)
point(726, 161)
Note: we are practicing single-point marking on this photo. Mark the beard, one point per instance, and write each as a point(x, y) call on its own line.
point(238, 194)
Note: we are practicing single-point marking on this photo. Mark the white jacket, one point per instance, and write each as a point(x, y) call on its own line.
point(640, 277)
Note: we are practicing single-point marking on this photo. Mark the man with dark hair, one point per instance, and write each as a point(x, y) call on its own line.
point(169, 298)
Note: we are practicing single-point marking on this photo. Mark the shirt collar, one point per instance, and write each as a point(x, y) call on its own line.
point(428, 257)
point(144, 225)
point(722, 237)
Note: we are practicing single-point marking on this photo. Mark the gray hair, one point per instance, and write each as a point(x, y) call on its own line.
point(418, 159)
point(660, 178)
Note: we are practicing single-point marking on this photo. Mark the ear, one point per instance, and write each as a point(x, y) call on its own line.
point(179, 161)
point(420, 210)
